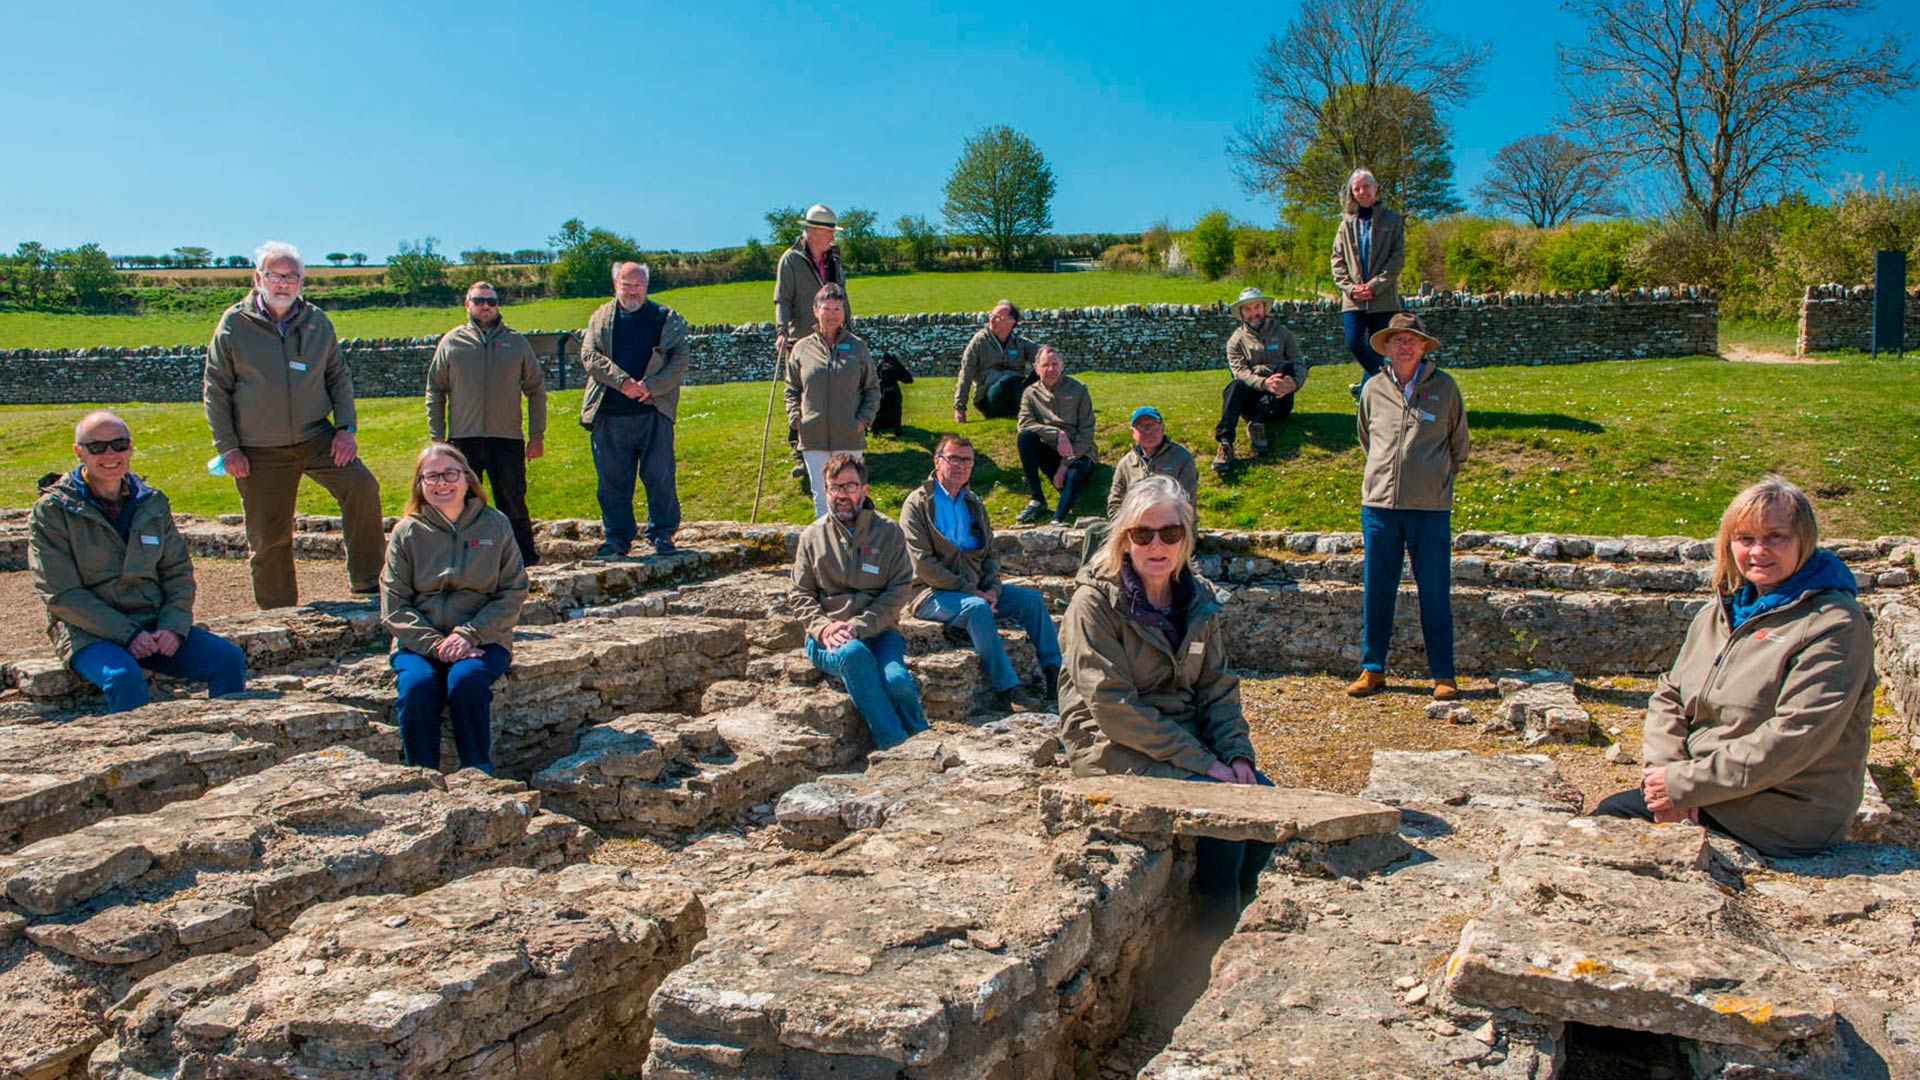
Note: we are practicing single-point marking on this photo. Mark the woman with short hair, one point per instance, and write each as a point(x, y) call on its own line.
point(1761, 728)
point(450, 595)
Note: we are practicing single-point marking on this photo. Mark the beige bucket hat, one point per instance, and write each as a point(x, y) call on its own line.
point(1403, 323)
point(818, 214)
point(1250, 294)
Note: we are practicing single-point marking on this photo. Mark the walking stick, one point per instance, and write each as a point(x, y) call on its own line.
point(766, 429)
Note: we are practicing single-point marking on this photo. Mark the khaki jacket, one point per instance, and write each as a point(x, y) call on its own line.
point(1253, 355)
point(1387, 253)
point(1066, 407)
point(1766, 727)
point(795, 281)
point(1129, 704)
point(1171, 459)
point(666, 369)
point(265, 389)
point(830, 389)
point(98, 587)
point(937, 563)
point(861, 574)
point(479, 376)
point(463, 578)
point(1413, 450)
point(985, 360)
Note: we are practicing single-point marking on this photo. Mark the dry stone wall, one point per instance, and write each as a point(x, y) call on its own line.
point(1834, 317)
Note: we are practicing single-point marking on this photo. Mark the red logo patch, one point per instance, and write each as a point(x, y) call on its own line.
point(1761, 635)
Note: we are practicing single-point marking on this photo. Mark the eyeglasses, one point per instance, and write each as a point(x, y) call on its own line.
point(446, 476)
point(484, 301)
point(276, 278)
point(846, 489)
point(951, 459)
point(100, 446)
point(1170, 535)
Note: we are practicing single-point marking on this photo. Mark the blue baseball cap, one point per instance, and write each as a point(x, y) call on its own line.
point(1145, 410)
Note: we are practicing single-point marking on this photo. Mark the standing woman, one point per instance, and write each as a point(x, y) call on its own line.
point(833, 390)
point(450, 596)
point(1368, 250)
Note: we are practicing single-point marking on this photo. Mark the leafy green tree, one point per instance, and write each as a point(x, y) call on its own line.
point(30, 273)
point(1210, 244)
point(417, 267)
point(920, 239)
point(756, 262)
point(1392, 131)
point(238, 262)
point(1000, 191)
point(359, 258)
point(783, 226)
point(584, 265)
point(535, 256)
point(337, 258)
point(192, 258)
point(860, 245)
point(87, 272)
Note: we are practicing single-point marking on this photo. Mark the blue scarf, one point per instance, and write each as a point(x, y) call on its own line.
point(1823, 571)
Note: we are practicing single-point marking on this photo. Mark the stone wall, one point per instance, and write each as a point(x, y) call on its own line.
point(1841, 317)
point(1480, 330)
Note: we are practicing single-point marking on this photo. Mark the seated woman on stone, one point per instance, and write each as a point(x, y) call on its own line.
point(1145, 688)
point(450, 595)
point(1761, 728)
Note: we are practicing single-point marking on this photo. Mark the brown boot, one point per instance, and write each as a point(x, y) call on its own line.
point(1222, 456)
point(1445, 689)
point(1368, 684)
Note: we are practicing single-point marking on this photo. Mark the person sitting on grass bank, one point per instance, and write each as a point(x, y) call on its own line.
point(1147, 690)
point(1056, 437)
point(997, 364)
point(951, 542)
point(450, 596)
point(635, 355)
point(1153, 454)
point(1264, 359)
point(833, 391)
point(851, 579)
point(1761, 728)
point(116, 576)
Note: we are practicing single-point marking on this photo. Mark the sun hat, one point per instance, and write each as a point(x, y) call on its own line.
point(1145, 410)
point(1249, 295)
point(1404, 323)
point(818, 214)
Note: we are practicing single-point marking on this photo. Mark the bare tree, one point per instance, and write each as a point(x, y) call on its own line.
point(1549, 179)
point(1729, 101)
point(1341, 75)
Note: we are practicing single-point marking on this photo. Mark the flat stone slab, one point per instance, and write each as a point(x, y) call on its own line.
point(507, 973)
point(1152, 806)
point(1463, 778)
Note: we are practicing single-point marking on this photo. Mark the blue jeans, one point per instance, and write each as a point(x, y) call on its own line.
point(1024, 606)
point(1360, 327)
point(464, 689)
point(625, 447)
point(874, 671)
point(1390, 537)
point(1229, 869)
point(202, 656)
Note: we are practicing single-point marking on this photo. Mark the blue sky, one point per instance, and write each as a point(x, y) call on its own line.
point(352, 126)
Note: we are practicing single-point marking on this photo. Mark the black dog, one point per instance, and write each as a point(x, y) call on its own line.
point(892, 374)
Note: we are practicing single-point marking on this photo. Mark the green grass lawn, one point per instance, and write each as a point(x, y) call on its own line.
point(1645, 446)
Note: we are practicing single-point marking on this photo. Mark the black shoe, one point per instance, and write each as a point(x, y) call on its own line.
point(611, 551)
point(1222, 456)
point(664, 547)
point(1034, 512)
point(1257, 435)
point(1050, 682)
point(799, 465)
point(1355, 391)
point(1063, 522)
point(1016, 700)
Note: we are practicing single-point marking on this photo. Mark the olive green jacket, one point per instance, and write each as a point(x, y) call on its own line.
point(833, 392)
point(795, 282)
point(463, 578)
point(1387, 254)
point(1413, 448)
point(1766, 727)
point(1131, 704)
point(1065, 407)
point(98, 587)
point(860, 574)
point(475, 381)
point(1171, 459)
point(985, 360)
point(666, 368)
point(263, 388)
point(937, 563)
point(1252, 355)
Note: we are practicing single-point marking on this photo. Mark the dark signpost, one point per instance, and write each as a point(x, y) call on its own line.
point(1889, 302)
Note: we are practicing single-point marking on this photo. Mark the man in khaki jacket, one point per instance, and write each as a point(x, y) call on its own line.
point(1369, 249)
point(116, 577)
point(997, 364)
point(1266, 365)
point(851, 579)
point(279, 401)
point(478, 373)
point(635, 355)
point(811, 263)
point(1055, 437)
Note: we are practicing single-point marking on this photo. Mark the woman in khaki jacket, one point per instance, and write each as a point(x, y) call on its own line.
point(1146, 688)
point(1761, 728)
point(450, 596)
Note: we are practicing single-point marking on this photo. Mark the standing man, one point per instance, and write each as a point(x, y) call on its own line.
point(851, 579)
point(1056, 437)
point(951, 542)
point(1413, 428)
point(479, 371)
point(279, 402)
point(833, 391)
point(1267, 367)
point(1369, 248)
point(635, 355)
point(116, 577)
point(997, 363)
point(812, 262)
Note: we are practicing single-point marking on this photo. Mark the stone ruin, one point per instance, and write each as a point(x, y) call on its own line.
point(694, 864)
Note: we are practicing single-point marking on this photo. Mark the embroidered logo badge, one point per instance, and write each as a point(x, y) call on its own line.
point(480, 542)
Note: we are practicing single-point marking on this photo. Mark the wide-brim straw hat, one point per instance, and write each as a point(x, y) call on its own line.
point(818, 214)
point(1403, 323)
point(1249, 295)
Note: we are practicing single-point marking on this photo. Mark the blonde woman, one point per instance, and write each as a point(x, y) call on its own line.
point(450, 595)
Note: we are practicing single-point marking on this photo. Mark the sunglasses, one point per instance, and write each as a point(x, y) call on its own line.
point(100, 446)
point(1170, 535)
point(484, 301)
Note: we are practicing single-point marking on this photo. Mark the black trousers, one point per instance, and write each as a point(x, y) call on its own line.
point(1632, 803)
point(1238, 401)
point(1000, 399)
point(503, 464)
point(1040, 456)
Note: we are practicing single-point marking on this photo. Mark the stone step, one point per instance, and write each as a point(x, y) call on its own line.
point(124, 897)
point(1151, 806)
point(1464, 778)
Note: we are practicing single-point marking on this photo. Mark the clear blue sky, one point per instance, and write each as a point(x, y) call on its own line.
point(352, 126)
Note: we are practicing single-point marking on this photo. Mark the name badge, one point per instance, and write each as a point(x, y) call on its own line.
point(869, 568)
point(150, 541)
point(1273, 348)
point(1195, 648)
point(296, 365)
point(845, 347)
point(1427, 416)
point(481, 542)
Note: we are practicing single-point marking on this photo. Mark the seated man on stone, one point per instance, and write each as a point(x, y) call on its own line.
point(1264, 359)
point(116, 576)
point(951, 542)
point(1153, 454)
point(1055, 437)
point(851, 579)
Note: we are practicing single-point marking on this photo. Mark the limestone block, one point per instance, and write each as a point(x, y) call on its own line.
point(1151, 806)
point(1873, 815)
point(1462, 778)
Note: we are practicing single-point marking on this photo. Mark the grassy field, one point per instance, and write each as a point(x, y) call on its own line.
point(1646, 446)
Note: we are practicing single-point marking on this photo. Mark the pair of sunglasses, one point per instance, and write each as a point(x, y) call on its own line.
point(1170, 535)
point(485, 301)
point(100, 446)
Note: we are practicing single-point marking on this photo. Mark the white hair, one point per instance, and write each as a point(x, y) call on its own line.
point(1358, 173)
point(621, 264)
point(278, 251)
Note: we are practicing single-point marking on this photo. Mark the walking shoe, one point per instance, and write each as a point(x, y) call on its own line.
point(1034, 511)
point(1016, 699)
point(1257, 433)
point(1445, 689)
point(665, 547)
point(1063, 522)
point(1222, 456)
point(1355, 391)
point(1368, 684)
point(611, 551)
point(1050, 682)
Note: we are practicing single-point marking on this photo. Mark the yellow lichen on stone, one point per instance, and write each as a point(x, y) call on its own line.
point(1588, 967)
point(1099, 798)
point(1755, 1012)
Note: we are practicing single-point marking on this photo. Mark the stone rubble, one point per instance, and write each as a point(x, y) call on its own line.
point(1541, 707)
